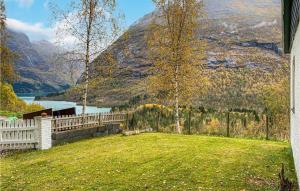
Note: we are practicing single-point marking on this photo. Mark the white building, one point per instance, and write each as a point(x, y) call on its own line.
point(291, 42)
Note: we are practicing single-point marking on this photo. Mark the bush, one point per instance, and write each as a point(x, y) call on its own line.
point(9, 100)
point(32, 108)
point(11, 105)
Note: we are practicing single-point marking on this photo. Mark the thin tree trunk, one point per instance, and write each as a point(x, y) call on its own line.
point(177, 101)
point(86, 85)
point(87, 54)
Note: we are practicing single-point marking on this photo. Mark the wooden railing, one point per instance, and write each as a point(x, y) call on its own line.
point(66, 123)
point(19, 134)
point(27, 134)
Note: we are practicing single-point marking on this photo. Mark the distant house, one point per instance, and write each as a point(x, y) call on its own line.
point(291, 43)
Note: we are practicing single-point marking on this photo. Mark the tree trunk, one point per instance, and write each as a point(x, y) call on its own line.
point(178, 129)
point(87, 54)
point(86, 86)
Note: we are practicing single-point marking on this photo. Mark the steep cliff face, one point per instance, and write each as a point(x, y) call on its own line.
point(232, 28)
point(38, 71)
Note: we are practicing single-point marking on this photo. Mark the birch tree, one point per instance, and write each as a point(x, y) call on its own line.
point(87, 27)
point(7, 73)
point(177, 52)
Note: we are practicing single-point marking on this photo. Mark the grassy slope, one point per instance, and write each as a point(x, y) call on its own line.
point(149, 161)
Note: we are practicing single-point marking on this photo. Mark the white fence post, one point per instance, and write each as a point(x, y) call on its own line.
point(44, 132)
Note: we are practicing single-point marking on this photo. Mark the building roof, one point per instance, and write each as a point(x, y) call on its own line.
point(291, 15)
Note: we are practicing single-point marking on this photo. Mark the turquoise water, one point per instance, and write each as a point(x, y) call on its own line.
point(57, 105)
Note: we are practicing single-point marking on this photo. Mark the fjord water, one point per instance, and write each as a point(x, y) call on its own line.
point(57, 105)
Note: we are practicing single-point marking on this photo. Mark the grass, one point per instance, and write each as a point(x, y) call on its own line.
point(150, 162)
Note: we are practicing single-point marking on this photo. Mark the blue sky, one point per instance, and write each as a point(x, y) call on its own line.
point(34, 18)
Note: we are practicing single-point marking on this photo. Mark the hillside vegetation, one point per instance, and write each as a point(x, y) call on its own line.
point(242, 67)
point(241, 50)
point(150, 162)
point(11, 105)
point(235, 123)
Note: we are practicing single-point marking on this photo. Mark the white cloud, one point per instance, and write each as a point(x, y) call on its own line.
point(25, 3)
point(59, 33)
point(35, 31)
point(38, 31)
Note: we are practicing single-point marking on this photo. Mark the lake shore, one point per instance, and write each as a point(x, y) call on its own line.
point(61, 104)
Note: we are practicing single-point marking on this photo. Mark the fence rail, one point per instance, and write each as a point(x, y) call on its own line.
point(66, 123)
point(20, 134)
point(27, 134)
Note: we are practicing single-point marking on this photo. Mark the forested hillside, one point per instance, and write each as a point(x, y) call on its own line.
point(243, 56)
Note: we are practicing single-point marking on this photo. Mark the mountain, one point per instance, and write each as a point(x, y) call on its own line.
point(38, 72)
point(56, 57)
point(238, 34)
point(46, 49)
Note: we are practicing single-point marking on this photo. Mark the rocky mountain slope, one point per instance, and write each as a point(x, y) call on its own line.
point(238, 33)
point(36, 66)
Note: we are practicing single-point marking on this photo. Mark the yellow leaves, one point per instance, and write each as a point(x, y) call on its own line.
point(10, 102)
point(106, 65)
point(152, 105)
point(33, 107)
point(276, 96)
point(7, 73)
point(177, 54)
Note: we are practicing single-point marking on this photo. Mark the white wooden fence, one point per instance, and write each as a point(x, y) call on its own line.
point(25, 134)
point(66, 123)
point(22, 134)
point(28, 134)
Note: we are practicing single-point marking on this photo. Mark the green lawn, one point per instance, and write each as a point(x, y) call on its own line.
point(150, 162)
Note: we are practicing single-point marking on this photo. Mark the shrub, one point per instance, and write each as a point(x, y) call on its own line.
point(11, 105)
